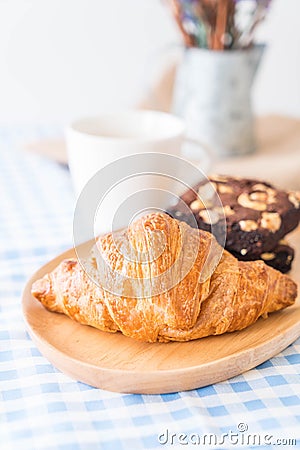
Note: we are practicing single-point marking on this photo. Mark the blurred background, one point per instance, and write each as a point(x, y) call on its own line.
point(62, 59)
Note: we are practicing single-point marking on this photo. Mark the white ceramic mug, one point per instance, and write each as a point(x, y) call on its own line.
point(95, 142)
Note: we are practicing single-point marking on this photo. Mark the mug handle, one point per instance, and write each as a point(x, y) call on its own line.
point(203, 162)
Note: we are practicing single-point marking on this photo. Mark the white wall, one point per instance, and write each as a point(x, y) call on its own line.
point(277, 87)
point(60, 59)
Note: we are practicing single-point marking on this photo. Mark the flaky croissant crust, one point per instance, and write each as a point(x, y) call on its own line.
point(215, 296)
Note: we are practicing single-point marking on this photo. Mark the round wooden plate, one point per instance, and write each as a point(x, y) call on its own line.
point(114, 362)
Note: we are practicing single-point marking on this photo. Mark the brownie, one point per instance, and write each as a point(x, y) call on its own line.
point(280, 258)
point(257, 214)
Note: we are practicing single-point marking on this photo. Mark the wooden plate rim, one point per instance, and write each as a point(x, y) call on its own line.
point(253, 355)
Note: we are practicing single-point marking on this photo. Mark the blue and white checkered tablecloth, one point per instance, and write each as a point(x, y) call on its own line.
point(43, 409)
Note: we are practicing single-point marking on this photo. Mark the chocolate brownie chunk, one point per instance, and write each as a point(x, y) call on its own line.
point(280, 258)
point(257, 214)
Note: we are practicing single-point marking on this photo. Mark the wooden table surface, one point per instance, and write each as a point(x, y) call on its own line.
point(277, 158)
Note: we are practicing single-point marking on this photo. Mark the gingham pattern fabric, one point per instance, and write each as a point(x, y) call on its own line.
point(41, 408)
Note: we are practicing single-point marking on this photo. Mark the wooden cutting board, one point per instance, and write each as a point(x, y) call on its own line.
point(117, 363)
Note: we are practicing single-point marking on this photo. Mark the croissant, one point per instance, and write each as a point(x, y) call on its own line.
point(189, 288)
